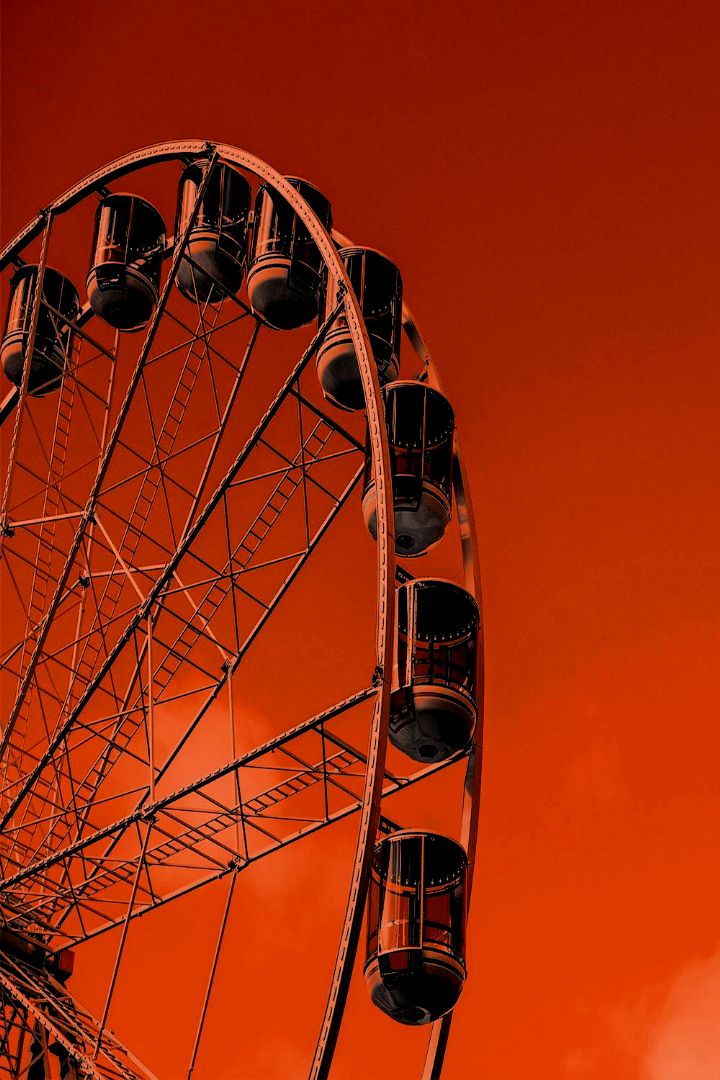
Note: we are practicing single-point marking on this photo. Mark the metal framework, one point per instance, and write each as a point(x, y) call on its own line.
point(149, 533)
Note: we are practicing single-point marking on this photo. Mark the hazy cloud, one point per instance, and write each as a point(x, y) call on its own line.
point(685, 1043)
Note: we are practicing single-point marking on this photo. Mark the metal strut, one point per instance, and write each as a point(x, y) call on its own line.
point(116, 1062)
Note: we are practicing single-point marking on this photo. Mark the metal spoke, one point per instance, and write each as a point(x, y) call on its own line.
point(156, 510)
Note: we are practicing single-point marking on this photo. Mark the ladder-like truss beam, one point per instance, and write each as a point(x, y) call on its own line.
point(192, 829)
point(155, 593)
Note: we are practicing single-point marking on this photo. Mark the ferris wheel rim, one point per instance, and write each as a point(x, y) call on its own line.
point(176, 150)
point(200, 150)
point(374, 772)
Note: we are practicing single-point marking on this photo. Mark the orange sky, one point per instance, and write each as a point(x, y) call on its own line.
point(546, 176)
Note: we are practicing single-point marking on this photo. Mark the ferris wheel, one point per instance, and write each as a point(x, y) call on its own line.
point(234, 399)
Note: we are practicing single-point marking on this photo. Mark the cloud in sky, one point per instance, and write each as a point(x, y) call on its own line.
point(685, 1043)
point(655, 1036)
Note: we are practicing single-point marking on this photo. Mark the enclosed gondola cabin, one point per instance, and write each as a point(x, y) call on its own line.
point(52, 348)
point(377, 284)
point(433, 708)
point(420, 425)
point(285, 273)
point(213, 261)
point(417, 903)
point(128, 244)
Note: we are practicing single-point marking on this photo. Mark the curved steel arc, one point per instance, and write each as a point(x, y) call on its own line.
point(148, 155)
point(370, 813)
point(376, 752)
point(473, 775)
point(471, 567)
point(440, 1031)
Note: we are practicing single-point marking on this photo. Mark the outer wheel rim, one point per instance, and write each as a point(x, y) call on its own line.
point(385, 548)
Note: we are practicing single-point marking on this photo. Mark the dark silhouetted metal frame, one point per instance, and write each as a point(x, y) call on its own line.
point(40, 890)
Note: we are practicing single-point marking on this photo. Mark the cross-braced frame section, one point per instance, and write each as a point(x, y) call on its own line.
point(150, 526)
point(164, 611)
point(156, 511)
point(281, 791)
point(45, 1033)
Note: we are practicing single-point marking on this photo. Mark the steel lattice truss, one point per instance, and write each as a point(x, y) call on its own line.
point(150, 528)
point(64, 1035)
